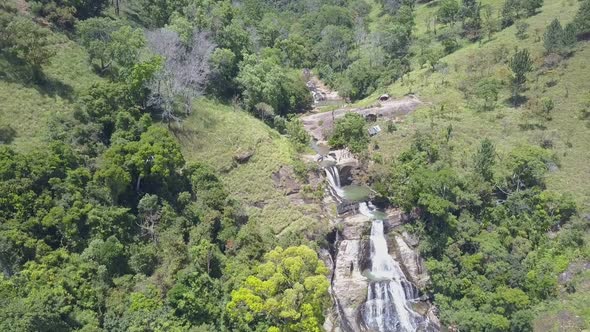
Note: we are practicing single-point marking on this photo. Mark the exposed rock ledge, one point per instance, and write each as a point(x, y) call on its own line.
point(349, 286)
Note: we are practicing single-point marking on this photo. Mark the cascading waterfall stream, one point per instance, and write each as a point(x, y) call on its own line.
point(388, 298)
point(333, 175)
point(388, 305)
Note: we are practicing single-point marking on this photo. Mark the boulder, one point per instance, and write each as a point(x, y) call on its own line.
point(411, 261)
point(284, 179)
point(243, 157)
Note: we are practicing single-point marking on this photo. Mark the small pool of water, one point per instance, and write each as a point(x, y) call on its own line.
point(356, 193)
point(379, 215)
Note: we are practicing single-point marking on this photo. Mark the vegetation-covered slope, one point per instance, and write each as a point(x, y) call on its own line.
point(150, 159)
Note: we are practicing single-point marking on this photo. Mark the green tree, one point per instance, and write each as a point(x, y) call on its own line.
point(263, 80)
point(569, 36)
point(332, 50)
point(510, 12)
point(30, 43)
point(520, 64)
point(350, 132)
point(484, 159)
point(487, 91)
point(448, 11)
point(95, 35)
point(289, 290)
point(553, 40)
point(526, 167)
point(109, 253)
point(470, 14)
point(582, 19)
point(224, 69)
point(197, 297)
point(115, 46)
point(297, 133)
point(521, 30)
point(156, 156)
point(296, 51)
point(531, 6)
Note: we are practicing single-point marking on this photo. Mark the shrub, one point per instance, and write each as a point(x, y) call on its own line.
point(297, 134)
point(350, 132)
point(521, 30)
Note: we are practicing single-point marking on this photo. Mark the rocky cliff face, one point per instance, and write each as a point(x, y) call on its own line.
point(349, 286)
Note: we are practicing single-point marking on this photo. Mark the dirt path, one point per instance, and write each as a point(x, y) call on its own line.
point(319, 125)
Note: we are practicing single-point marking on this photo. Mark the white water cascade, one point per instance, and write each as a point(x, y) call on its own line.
point(333, 175)
point(387, 308)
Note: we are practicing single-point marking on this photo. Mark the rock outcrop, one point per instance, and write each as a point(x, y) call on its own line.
point(285, 179)
point(349, 285)
point(411, 262)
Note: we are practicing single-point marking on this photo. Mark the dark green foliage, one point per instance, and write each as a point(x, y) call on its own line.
point(197, 297)
point(516, 9)
point(264, 81)
point(448, 11)
point(470, 15)
point(553, 37)
point(484, 159)
point(360, 79)
point(526, 166)
point(332, 49)
point(510, 12)
point(350, 132)
point(520, 64)
point(521, 30)
point(109, 253)
point(582, 19)
point(64, 13)
point(115, 46)
point(207, 186)
point(487, 250)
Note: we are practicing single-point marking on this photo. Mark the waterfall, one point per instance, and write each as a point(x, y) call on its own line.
point(364, 210)
point(333, 175)
point(387, 308)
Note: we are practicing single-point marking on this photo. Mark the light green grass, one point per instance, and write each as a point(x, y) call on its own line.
point(215, 133)
point(27, 107)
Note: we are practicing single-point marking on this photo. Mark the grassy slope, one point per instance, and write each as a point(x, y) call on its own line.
point(570, 135)
point(27, 107)
point(215, 133)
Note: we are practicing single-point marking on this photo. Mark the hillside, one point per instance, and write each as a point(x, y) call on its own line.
point(566, 133)
point(187, 165)
point(506, 126)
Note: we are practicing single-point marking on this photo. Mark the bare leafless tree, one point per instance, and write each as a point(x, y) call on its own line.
point(149, 216)
point(185, 73)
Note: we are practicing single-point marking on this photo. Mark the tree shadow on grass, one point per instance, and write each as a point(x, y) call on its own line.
point(516, 101)
point(531, 126)
point(7, 134)
point(13, 70)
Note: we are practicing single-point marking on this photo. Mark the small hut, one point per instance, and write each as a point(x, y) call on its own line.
point(374, 130)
